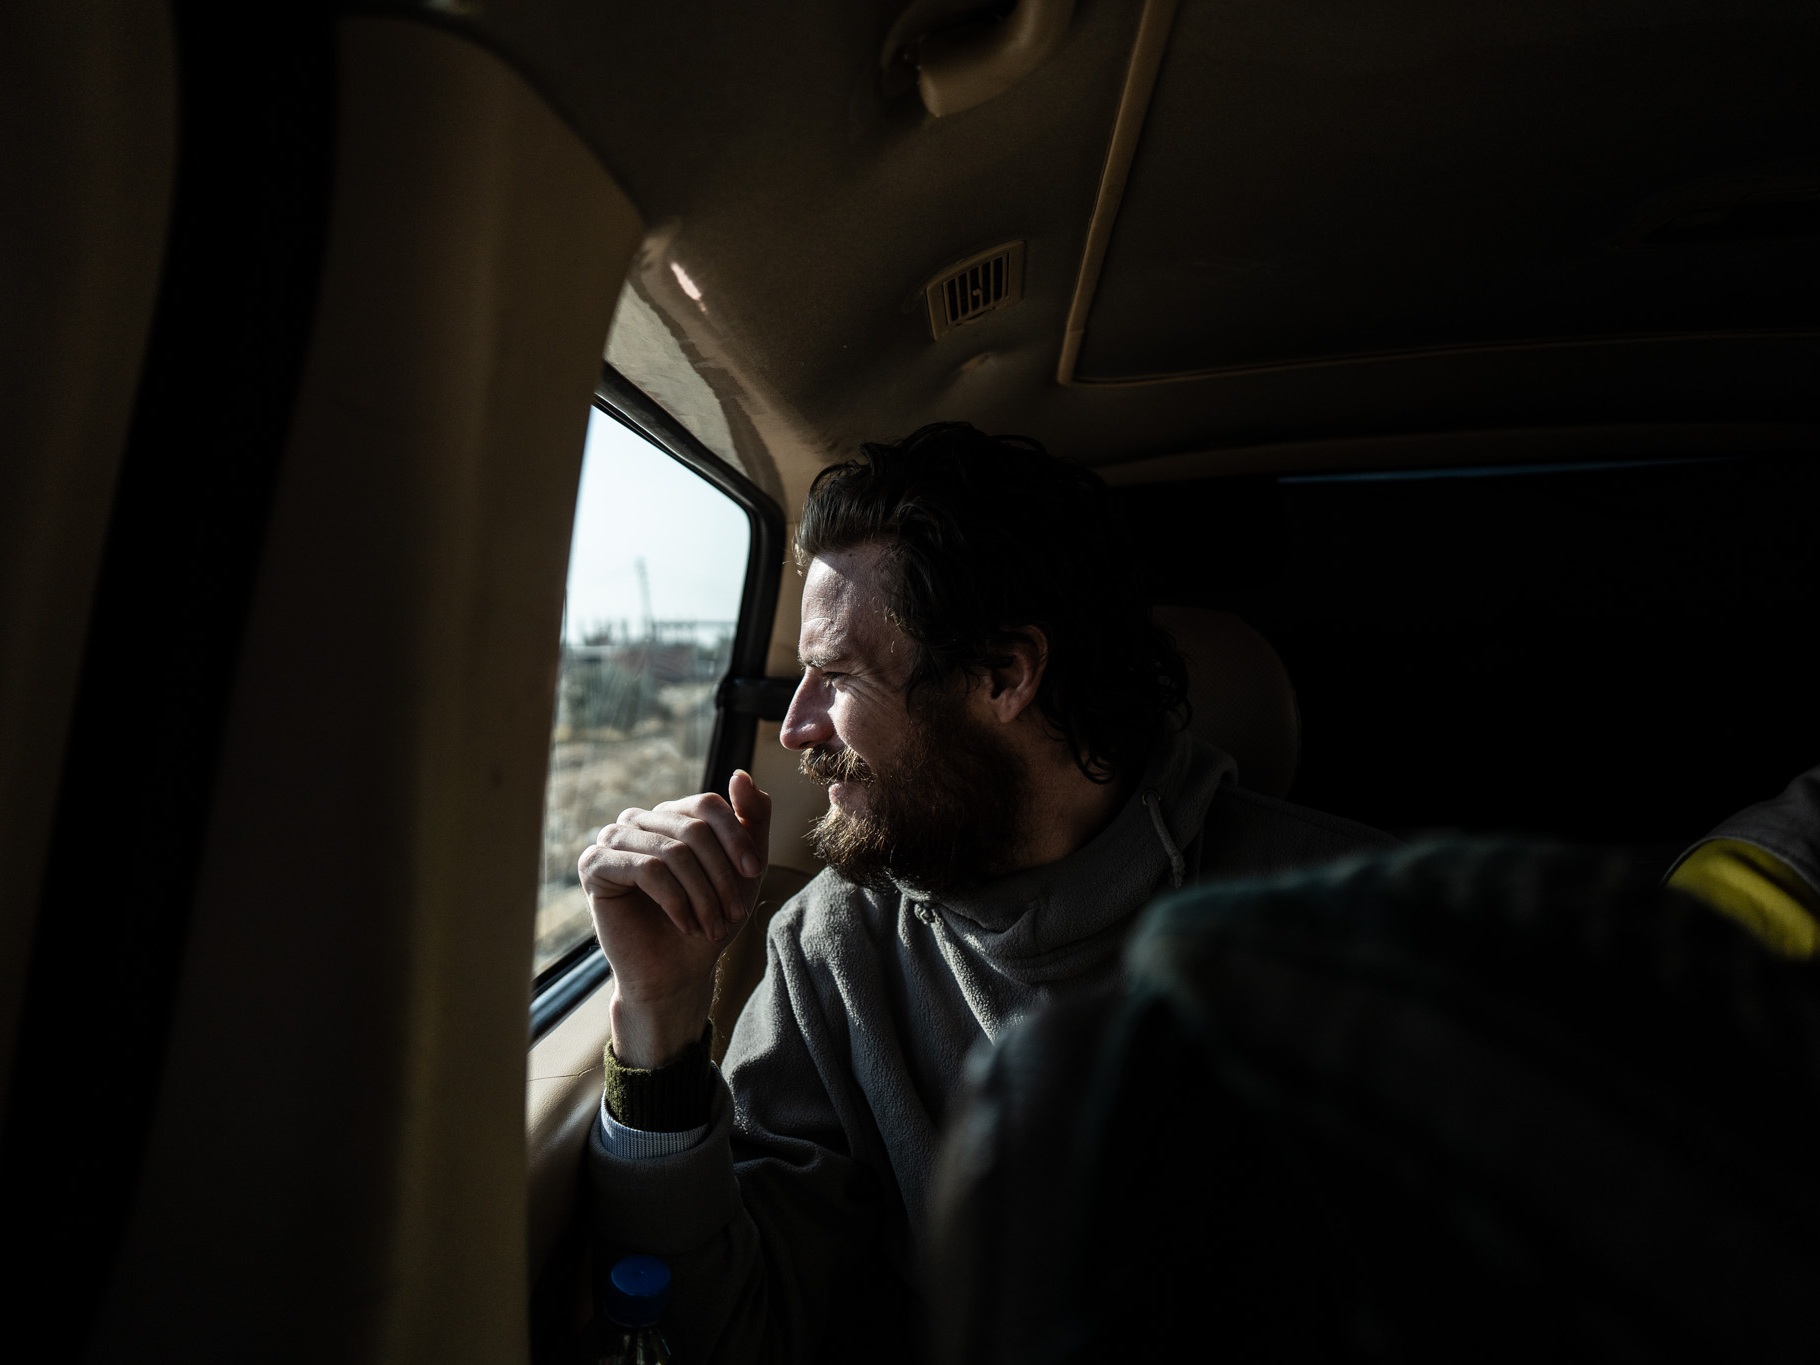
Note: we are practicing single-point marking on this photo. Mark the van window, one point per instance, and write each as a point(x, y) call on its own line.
point(656, 569)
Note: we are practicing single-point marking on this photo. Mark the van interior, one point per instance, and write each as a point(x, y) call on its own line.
point(1463, 356)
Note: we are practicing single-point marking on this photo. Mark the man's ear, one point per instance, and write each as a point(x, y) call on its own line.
point(1013, 679)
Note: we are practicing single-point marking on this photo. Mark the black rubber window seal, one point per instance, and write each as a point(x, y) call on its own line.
point(565, 983)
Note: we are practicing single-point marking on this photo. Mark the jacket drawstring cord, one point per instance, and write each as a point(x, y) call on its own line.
point(1154, 804)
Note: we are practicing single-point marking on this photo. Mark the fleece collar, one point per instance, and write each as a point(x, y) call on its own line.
point(1056, 908)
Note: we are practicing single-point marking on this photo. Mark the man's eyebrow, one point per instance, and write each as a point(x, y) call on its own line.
point(818, 658)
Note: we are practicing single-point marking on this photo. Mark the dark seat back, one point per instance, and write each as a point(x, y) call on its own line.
point(1485, 1102)
point(1243, 701)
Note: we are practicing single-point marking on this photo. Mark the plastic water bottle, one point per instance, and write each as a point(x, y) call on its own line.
point(630, 1308)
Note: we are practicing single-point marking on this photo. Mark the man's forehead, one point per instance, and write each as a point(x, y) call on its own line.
point(844, 611)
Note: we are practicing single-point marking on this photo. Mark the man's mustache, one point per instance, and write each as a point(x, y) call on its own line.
point(824, 765)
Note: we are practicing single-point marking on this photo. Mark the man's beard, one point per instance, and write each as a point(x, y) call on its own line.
point(949, 815)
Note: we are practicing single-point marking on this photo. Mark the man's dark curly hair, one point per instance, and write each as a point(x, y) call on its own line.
point(987, 534)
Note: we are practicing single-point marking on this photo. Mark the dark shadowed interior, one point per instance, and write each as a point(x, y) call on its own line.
point(1604, 653)
point(1464, 351)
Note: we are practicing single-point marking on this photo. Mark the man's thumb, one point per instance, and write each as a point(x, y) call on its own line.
point(753, 807)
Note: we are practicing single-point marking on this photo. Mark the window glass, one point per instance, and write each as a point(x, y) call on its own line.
point(656, 569)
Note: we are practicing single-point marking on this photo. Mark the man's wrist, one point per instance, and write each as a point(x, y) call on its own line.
point(648, 1035)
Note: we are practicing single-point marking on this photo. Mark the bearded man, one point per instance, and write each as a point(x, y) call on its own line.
point(999, 728)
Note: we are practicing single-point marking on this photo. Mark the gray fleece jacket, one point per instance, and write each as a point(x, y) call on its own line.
point(793, 1228)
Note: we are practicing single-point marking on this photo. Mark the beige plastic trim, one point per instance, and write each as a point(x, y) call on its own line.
point(796, 802)
point(562, 1095)
point(969, 71)
point(337, 1164)
point(89, 103)
point(1147, 51)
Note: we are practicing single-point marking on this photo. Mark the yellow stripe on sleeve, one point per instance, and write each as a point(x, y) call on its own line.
point(1759, 890)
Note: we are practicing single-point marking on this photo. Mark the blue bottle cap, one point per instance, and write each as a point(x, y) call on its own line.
point(638, 1291)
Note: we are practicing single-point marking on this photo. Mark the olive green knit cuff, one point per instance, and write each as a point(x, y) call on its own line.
point(672, 1098)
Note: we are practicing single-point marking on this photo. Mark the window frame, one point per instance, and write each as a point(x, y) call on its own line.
point(569, 980)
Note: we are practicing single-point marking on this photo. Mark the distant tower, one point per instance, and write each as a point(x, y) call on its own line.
point(644, 597)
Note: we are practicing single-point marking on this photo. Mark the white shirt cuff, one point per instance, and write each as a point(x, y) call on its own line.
point(637, 1144)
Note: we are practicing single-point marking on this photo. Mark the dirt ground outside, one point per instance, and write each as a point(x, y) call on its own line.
point(594, 775)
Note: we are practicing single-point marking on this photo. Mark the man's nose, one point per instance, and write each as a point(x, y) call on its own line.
point(806, 722)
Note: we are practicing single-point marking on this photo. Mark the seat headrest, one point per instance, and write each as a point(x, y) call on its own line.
point(1243, 700)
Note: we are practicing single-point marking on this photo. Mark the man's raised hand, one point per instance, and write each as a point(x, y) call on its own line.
point(669, 888)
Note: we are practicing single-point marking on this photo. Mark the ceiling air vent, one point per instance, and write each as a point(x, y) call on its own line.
point(974, 287)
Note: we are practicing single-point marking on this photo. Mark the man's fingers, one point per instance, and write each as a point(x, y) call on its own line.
point(665, 869)
point(694, 858)
point(734, 837)
point(711, 858)
point(650, 876)
point(680, 862)
point(710, 848)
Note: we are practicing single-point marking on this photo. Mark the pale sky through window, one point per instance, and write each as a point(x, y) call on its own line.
point(638, 502)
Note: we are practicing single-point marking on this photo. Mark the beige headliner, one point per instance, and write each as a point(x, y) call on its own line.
point(1336, 224)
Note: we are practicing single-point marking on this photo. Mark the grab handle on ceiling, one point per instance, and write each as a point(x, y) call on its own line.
point(972, 66)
